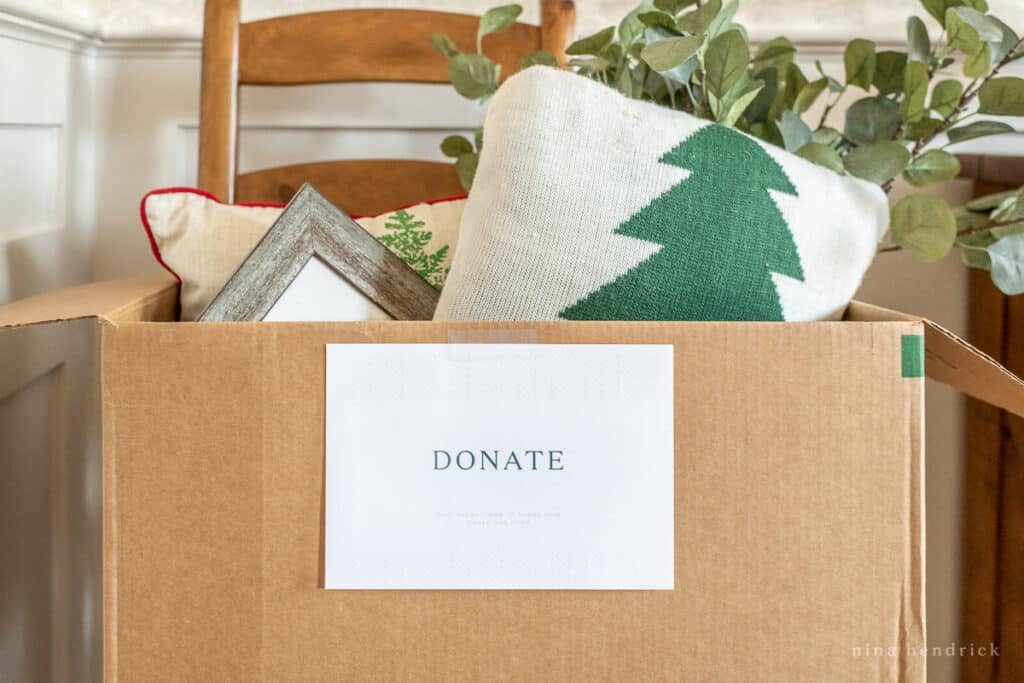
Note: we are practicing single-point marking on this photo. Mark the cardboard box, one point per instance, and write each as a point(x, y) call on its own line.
point(173, 530)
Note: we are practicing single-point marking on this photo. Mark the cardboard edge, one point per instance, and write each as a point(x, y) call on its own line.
point(955, 362)
point(149, 297)
point(108, 521)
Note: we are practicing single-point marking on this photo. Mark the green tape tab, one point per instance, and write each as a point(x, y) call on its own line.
point(913, 355)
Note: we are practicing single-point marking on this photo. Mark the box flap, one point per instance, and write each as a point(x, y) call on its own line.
point(953, 361)
point(150, 297)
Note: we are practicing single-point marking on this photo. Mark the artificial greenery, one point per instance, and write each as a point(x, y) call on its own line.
point(913, 105)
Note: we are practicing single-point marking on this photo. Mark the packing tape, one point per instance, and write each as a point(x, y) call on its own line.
point(519, 336)
point(912, 355)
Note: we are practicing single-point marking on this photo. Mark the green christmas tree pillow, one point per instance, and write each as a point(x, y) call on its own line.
point(591, 206)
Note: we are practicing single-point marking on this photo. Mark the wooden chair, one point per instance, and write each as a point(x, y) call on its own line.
point(992, 609)
point(342, 46)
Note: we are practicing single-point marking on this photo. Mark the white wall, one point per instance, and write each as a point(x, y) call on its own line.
point(813, 21)
point(101, 103)
point(45, 140)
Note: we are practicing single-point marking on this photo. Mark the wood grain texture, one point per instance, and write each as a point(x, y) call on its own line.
point(993, 552)
point(360, 187)
point(1010, 610)
point(368, 45)
point(558, 21)
point(218, 102)
point(982, 486)
point(311, 226)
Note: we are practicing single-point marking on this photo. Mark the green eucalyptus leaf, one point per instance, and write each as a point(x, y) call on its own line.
point(974, 257)
point(593, 44)
point(827, 136)
point(760, 107)
point(590, 66)
point(775, 52)
point(740, 96)
point(465, 167)
point(876, 162)
point(822, 155)
point(627, 83)
point(725, 61)
point(699, 20)
point(667, 6)
point(1007, 258)
point(988, 30)
point(980, 5)
point(889, 68)
point(631, 29)
point(960, 35)
point(1004, 230)
point(919, 46)
point(793, 83)
point(833, 84)
point(945, 97)
point(795, 133)
point(444, 45)
point(926, 127)
point(934, 166)
point(455, 146)
point(673, 6)
point(809, 94)
point(978, 64)
point(871, 119)
point(979, 129)
point(478, 138)
point(989, 201)
point(1002, 97)
point(539, 57)
point(924, 225)
point(498, 19)
point(859, 60)
point(969, 220)
point(669, 53)
point(658, 19)
point(1010, 209)
point(937, 8)
point(723, 20)
point(915, 91)
point(473, 76)
point(1007, 41)
point(680, 75)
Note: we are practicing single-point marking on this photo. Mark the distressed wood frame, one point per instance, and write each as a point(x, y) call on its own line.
point(312, 226)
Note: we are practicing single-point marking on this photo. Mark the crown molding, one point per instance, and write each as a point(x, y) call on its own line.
point(21, 20)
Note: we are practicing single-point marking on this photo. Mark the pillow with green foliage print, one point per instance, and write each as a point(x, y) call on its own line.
point(590, 206)
point(201, 241)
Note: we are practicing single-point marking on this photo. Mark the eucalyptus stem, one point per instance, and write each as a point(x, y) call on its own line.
point(968, 95)
point(965, 99)
point(829, 107)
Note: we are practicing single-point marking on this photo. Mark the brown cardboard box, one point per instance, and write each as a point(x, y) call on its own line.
point(198, 451)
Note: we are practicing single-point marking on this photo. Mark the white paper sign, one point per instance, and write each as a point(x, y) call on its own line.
point(499, 466)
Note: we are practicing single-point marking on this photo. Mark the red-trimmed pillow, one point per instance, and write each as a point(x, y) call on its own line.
point(202, 241)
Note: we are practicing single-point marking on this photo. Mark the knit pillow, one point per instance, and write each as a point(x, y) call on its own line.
point(591, 206)
point(202, 241)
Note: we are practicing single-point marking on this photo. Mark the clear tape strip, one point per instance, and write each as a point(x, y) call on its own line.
point(519, 336)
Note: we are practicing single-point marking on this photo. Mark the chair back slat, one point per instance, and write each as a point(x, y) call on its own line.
point(360, 187)
point(367, 45)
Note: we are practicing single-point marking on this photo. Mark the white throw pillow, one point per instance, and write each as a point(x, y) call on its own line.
point(589, 205)
point(203, 241)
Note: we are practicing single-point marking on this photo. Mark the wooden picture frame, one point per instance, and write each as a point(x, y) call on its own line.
point(311, 226)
